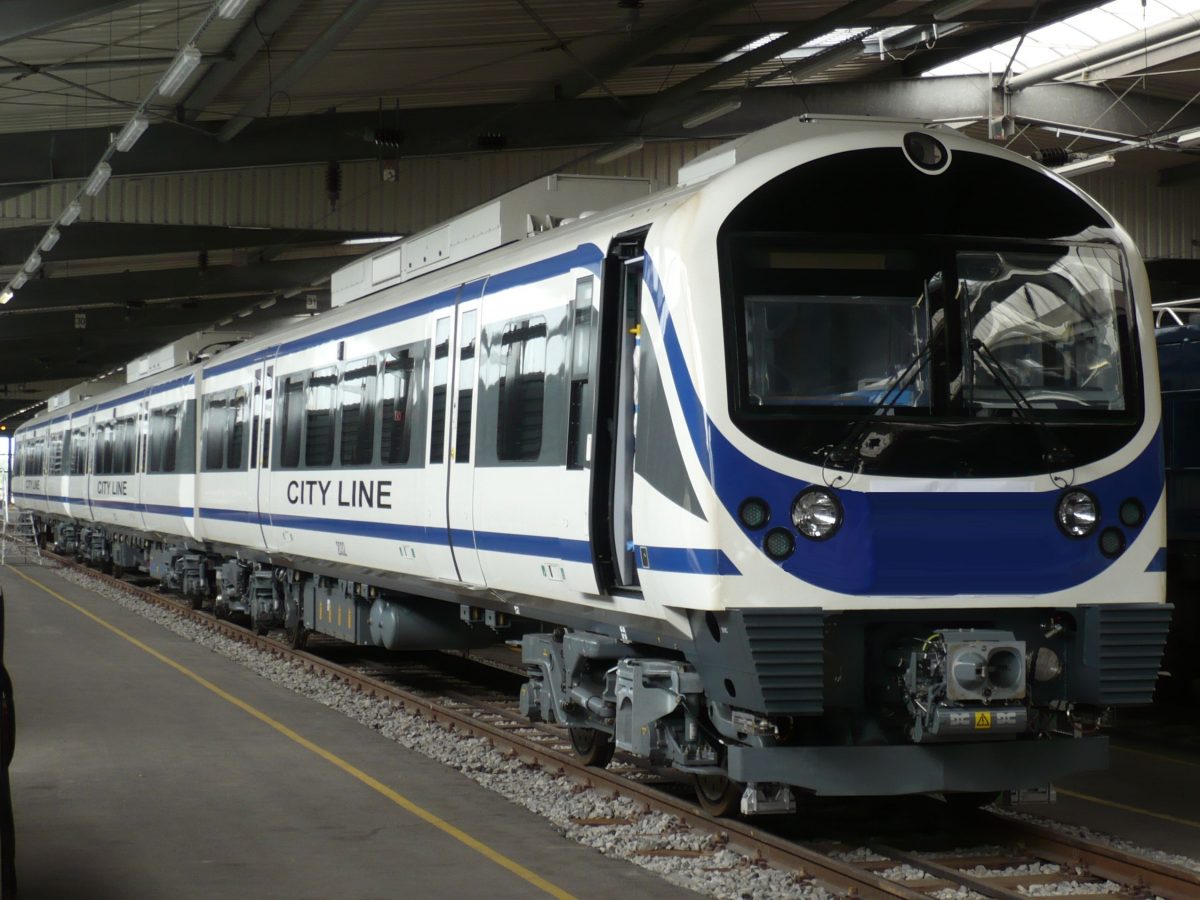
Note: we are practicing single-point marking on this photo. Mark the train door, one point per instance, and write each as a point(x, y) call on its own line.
point(141, 458)
point(261, 405)
point(612, 469)
point(464, 375)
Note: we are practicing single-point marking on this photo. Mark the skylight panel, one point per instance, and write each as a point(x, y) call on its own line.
point(1074, 35)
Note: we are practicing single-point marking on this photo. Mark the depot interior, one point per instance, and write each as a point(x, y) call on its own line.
point(174, 168)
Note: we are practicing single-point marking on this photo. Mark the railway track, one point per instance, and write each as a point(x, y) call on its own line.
point(1019, 857)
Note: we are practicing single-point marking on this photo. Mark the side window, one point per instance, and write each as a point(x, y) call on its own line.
point(185, 450)
point(215, 415)
point(522, 389)
point(401, 405)
point(356, 410)
point(54, 464)
point(583, 333)
point(79, 451)
point(466, 387)
point(236, 415)
point(291, 420)
point(164, 439)
point(318, 418)
point(123, 432)
point(441, 375)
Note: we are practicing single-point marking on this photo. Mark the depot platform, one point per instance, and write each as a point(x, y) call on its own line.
point(149, 766)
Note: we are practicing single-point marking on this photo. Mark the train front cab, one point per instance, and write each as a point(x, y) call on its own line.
point(938, 473)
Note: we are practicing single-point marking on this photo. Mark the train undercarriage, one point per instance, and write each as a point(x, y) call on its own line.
point(763, 704)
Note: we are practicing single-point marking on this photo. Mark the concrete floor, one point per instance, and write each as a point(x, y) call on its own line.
point(1150, 794)
point(133, 781)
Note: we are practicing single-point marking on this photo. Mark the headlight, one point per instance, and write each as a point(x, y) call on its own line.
point(1078, 513)
point(817, 514)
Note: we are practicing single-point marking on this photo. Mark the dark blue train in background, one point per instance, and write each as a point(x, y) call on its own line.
point(1178, 333)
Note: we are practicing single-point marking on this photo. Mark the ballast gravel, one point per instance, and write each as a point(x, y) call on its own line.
point(655, 841)
point(717, 872)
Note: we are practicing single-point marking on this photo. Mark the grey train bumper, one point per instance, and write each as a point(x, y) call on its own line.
point(916, 769)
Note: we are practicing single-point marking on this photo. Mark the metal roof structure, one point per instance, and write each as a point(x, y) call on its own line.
point(248, 140)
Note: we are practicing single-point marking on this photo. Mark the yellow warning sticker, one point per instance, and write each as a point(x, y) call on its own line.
point(983, 720)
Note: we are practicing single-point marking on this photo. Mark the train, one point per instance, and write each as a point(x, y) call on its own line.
point(833, 469)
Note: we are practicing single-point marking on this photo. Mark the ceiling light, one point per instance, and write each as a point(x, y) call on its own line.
point(5, 296)
point(131, 132)
point(179, 71)
point(50, 240)
point(267, 304)
point(957, 7)
point(70, 214)
point(619, 150)
point(228, 9)
point(33, 263)
point(713, 112)
point(383, 239)
point(18, 281)
point(100, 176)
point(1188, 138)
point(242, 313)
point(1084, 166)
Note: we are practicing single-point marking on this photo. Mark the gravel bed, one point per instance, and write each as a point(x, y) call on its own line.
point(718, 872)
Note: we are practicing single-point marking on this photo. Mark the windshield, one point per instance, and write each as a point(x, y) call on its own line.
point(1050, 319)
point(823, 329)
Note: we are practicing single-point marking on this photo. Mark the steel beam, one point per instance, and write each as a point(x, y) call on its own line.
point(25, 18)
point(267, 20)
point(1142, 61)
point(98, 240)
point(960, 45)
point(350, 19)
point(40, 157)
point(844, 16)
point(644, 45)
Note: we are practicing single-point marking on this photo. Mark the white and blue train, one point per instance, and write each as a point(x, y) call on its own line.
point(835, 467)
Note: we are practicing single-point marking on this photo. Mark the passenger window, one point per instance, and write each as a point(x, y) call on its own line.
point(292, 417)
point(466, 387)
point(357, 411)
point(235, 457)
point(583, 333)
point(318, 418)
point(441, 376)
point(522, 390)
point(216, 412)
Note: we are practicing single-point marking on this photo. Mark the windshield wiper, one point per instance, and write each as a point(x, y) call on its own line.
point(1054, 453)
point(847, 452)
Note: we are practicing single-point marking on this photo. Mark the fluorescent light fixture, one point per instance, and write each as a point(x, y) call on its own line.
point(228, 9)
point(70, 214)
point(619, 150)
point(99, 179)
point(179, 71)
point(131, 132)
point(18, 281)
point(1084, 166)
point(956, 8)
point(33, 263)
point(242, 313)
point(713, 112)
point(50, 240)
point(5, 296)
point(1188, 138)
point(225, 322)
point(267, 304)
point(385, 239)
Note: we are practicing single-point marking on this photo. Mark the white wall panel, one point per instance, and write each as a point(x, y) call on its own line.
point(425, 191)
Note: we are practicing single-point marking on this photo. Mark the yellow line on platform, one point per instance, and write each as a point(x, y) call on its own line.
point(1190, 823)
point(1174, 760)
point(399, 799)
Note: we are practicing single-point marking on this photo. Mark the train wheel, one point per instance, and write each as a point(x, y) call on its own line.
point(297, 636)
point(594, 748)
point(718, 796)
